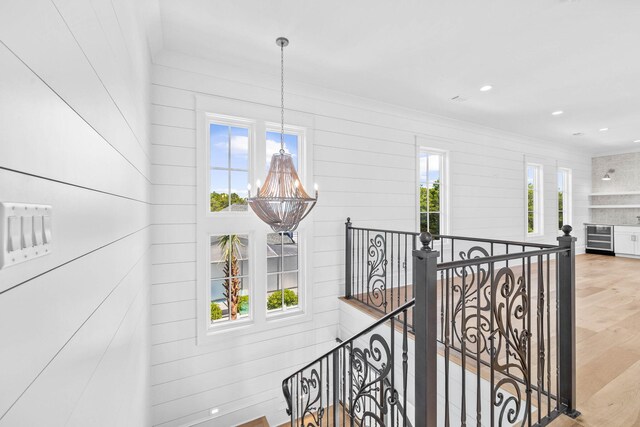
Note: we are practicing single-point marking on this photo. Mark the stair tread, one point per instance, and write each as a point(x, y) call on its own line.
point(258, 422)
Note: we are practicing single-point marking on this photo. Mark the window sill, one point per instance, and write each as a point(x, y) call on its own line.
point(221, 328)
point(284, 315)
point(252, 326)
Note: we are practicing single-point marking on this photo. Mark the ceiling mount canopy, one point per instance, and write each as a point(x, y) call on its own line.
point(282, 201)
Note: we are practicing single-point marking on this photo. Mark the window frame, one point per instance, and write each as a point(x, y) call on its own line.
point(225, 120)
point(538, 199)
point(259, 119)
point(444, 186)
point(567, 202)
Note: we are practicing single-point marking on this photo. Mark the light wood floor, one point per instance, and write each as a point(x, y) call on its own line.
point(608, 343)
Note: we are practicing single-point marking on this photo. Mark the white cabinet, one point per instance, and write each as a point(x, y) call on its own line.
point(627, 240)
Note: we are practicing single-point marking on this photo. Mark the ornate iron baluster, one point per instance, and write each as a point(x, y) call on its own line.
point(377, 275)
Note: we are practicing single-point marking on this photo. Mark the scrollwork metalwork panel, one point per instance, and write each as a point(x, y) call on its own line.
point(377, 274)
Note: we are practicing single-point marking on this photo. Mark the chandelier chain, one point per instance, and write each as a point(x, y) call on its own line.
point(282, 98)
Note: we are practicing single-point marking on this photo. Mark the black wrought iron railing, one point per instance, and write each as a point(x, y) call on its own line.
point(496, 317)
point(362, 381)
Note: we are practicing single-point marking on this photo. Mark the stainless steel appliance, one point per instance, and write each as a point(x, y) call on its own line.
point(599, 238)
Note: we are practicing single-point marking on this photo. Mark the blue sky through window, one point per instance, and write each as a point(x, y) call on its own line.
point(229, 159)
point(429, 168)
point(290, 146)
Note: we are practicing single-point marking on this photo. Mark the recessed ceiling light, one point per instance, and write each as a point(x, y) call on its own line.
point(604, 129)
point(486, 88)
point(557, 113)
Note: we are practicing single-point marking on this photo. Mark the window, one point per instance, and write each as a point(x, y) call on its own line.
point(229, 278)
point(248, 278)
point(431, 198)
point(229, 167)
point(282, 271)
point(273, 146)
point(564, 197)
point(534, 199)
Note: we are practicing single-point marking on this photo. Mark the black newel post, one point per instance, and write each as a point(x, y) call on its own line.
point(567, 322)
point(347, 258)
point(425, 324)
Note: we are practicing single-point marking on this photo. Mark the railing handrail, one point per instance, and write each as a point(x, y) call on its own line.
point(498, 258)
point(502, 242)
point(379, 230)
point(465, 238)
point(368, 329)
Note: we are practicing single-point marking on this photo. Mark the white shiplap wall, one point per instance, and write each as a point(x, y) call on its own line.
point(74, 108)
point(364, 163)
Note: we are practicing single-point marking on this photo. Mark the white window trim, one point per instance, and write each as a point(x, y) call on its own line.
point(445, 222)
point(259, 119)
point(538, 200)
point(568, 196)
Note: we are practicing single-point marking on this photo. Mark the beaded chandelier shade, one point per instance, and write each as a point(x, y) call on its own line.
point(282, 201)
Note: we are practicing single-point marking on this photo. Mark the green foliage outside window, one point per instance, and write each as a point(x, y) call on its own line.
point(275, 299)
point(430, 208)
point(220, 201)
point(216, 311)
point(560, 209)
point(243, 304)
point(530, 208)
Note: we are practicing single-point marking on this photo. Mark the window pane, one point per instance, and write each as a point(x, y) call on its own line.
point(219, 146)
point(239, 192)
point(273, 263)
point(274, 252)
point(290, 146)
point(424, 225)
point(290, 282)
point(282, 252)
point(433, 174)
point(434, 196)
point(430, 177)
point(531, 172)
point(241, 254)
point(560, 219)
point(243, 298)
point(434, 223)
point(289, 297)
point(273, 282)
point(530, 223)
point(219, 190)
point(217, 269)
point(282, 261)
point(229, 281)
point(239, 148)
point(424, 164)
point(290, 262)
point(217, 291)
point(424, 205)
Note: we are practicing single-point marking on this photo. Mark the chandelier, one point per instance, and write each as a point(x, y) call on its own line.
point(282, 201)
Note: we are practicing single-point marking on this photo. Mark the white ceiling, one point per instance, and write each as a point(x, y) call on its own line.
point(579, 56)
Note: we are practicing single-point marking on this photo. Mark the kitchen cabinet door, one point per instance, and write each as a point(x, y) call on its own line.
point(626, 243)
